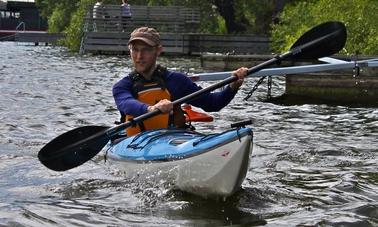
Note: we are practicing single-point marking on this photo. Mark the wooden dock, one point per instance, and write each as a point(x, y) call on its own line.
point(182, 44)
point(339, 88)
point(226, 62)
point(38, 37)
point(178, 27)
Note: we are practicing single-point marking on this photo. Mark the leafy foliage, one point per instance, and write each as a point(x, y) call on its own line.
point(58, 19)
point(74, 31)
point(359, 16)
point(58, 12)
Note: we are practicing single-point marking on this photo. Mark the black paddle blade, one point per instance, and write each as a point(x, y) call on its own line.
point(73, 148)
point(321, 41)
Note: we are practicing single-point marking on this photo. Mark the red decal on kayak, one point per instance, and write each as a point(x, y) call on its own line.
point(225, 153)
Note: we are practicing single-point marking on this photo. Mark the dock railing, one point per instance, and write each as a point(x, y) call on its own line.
point(11, 37)
point(21, 25)
point(108, 18)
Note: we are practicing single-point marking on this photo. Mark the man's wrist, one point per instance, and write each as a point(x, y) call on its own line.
point(234, 88)
point(151, 108)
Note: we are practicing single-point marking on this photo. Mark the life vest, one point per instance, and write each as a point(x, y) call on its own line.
point(151, 92)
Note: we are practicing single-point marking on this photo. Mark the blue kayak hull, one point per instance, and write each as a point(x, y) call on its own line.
point(205, 165)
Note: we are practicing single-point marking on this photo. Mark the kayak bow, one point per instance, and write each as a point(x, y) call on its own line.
point(212, 165)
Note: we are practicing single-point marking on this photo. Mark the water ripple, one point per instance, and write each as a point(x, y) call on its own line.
point(312, 165)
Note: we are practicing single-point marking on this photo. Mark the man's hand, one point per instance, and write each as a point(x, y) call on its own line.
point(241, 73)
point(165, 106)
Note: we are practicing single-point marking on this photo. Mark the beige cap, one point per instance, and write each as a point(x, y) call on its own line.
point(148, 35)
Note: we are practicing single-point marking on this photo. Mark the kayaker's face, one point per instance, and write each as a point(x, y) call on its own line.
point(144, 57)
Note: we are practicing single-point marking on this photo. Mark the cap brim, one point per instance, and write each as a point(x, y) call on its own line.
point(147, 41)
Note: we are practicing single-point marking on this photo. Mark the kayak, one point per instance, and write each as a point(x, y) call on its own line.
point(213, 164)
point(208, 165)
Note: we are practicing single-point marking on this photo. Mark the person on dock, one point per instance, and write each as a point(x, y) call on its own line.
point(125, 13)
point(98, 15)
point(150, 86)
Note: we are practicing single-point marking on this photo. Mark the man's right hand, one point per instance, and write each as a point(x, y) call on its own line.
point(240, 73)
point(165, 106)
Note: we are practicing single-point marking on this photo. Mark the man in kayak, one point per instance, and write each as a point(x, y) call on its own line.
point(151, 86)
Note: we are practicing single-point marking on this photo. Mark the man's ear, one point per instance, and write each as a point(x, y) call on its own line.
point(159, 49)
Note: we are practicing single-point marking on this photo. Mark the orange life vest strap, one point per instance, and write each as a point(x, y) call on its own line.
point(151, 95)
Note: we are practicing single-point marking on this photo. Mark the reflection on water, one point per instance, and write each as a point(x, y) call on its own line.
point(311, 164)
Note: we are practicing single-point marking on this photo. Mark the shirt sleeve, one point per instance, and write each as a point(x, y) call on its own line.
point(126, 103)
point(180, 86)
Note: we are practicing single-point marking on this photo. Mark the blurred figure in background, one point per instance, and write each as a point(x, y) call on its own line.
point(98, 15)
point(125, 14)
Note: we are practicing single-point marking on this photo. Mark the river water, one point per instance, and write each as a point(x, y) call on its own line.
point(312, 165)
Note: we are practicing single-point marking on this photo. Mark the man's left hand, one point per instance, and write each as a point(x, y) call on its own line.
point(241, 73)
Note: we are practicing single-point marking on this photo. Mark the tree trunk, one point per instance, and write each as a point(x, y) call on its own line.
point(227, 11)
point(278, 8)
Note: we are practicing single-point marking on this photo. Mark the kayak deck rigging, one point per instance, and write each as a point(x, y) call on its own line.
point(160, 144)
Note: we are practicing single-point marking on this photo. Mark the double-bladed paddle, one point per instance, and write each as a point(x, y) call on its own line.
point(79, 145)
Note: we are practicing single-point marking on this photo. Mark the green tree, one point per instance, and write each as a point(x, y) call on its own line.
point(74, 31)
point(58, 12)
point(359, 16)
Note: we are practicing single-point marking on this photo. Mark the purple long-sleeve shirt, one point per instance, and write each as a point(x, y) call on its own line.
point(178, 86)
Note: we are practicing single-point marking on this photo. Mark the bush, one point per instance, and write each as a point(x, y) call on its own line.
point(74, 32)
point(58, 20)
point(359, 17)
